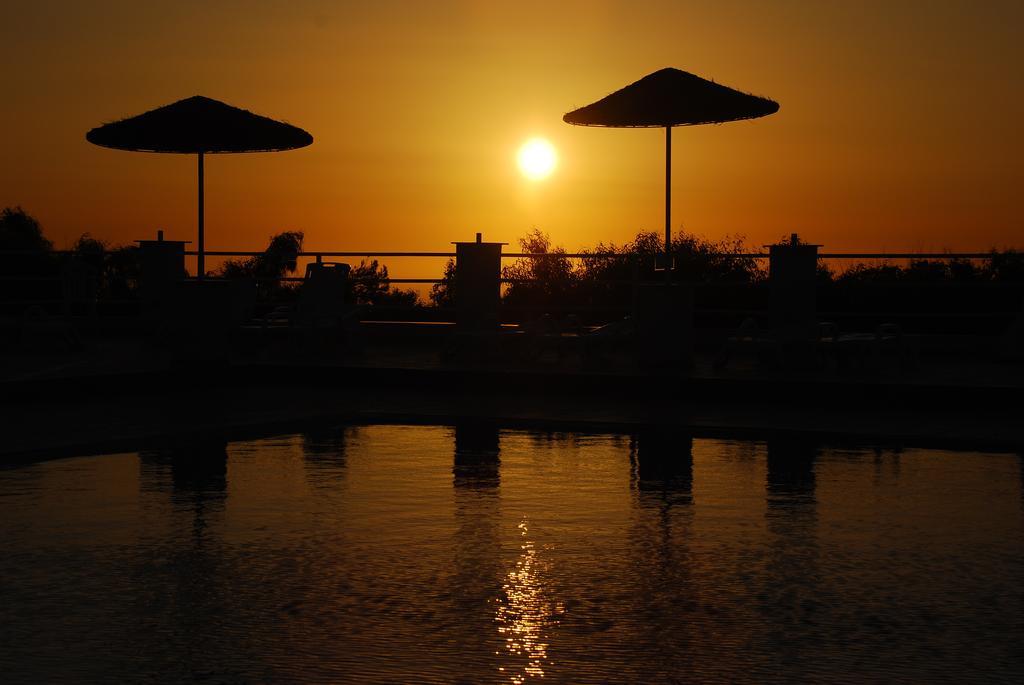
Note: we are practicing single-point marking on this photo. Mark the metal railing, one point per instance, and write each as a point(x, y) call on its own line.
point(636, 279)
point(320, 255)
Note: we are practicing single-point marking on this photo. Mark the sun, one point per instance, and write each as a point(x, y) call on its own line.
point(537, 159)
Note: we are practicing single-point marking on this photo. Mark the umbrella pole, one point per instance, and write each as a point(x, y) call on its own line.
point(201, 258)
point(668, 204)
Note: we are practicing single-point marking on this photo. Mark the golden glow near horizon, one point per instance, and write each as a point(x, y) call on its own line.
point(898, 127)
point(537, 159)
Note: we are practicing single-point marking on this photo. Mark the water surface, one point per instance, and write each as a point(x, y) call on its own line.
point(478, 555)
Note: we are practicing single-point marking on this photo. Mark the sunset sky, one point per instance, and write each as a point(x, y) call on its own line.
point(899, 127)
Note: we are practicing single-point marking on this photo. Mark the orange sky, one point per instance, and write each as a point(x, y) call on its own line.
point(899, 125)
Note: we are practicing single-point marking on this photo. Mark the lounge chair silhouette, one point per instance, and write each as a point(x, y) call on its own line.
point(323, 310)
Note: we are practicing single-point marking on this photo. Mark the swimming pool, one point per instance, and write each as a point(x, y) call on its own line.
point(475, 554)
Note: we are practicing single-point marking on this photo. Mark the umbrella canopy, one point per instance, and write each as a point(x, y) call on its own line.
point(199, 125)
point(671, 97)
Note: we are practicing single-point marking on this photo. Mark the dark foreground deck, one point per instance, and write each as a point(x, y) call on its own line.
point(120, 394)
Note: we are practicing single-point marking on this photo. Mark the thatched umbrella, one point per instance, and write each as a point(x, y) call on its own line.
point(670, 97)
point(199, 125)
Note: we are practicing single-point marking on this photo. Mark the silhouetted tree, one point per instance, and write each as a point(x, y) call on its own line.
point(25, 251)
point(121, 272)
point(540, 281)
point(91, 251)
point(443, 294)
point(277, 261)
point(19, 231)
point(116, 269)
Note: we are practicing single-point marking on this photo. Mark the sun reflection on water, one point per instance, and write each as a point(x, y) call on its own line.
point(525, 614)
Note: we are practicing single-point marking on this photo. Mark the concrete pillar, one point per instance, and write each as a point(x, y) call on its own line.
point(477, 284)
point(197, 321)
point(161, 270)
point(664, 326)
point(792, 275)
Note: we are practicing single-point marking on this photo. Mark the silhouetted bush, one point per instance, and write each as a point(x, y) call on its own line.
point(726, 279)
point(963, 294)
point(728, 282)
point(370, 286)
point(607, 277)
point(696, 259)
point(1005, 267)
point(999, 267)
